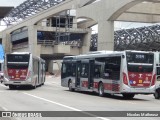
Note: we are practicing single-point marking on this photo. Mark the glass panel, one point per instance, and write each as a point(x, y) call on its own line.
point(17, 61)
point(17, 58)
point(140, 62)
point(140, 58)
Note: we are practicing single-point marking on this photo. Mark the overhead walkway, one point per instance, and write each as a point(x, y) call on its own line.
point(143, 38)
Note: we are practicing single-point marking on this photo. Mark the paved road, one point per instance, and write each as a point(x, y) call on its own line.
point(53, 97)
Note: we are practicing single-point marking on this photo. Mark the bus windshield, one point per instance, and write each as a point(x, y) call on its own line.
point(17, 61)
point(143, 58)
point(140, 62)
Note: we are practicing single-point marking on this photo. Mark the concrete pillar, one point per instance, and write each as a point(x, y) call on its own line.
point(74, 22)
point(57, 67)
point(54, 67)
point(6, 42)
point(86, 41)
point(105, 35)
point(32, 38)
point(49, 64)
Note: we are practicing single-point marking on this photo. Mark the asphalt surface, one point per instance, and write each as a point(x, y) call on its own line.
point(53, 97)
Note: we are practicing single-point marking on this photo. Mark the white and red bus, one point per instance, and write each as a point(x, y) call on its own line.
point(127, 72)
point(157, 91)
point(23, 69)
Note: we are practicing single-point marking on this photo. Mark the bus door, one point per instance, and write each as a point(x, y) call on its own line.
point(42, 75)
point(78, 73)
point(39, 75)
point(91, 74)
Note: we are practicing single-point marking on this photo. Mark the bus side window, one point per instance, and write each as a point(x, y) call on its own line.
point(97, 71)
point(35, 67)
point(84, 70)
point(64, 68)
point(107, 71)
point(73, 69)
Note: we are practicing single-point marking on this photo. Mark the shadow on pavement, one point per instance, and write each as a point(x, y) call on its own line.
point(116, 96)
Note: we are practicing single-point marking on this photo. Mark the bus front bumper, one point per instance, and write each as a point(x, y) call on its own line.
point(127, 89)
point(17, 82)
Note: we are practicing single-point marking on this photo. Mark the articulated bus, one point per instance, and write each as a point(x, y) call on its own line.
point(127, 73)
point(23, 69)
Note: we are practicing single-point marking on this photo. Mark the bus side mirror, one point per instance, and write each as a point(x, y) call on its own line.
point(123, 56)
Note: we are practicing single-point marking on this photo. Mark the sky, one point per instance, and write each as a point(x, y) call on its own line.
point(118, 25)
point(11, 2)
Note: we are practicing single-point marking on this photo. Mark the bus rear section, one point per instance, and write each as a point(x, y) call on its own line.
point(1, 71)
point(139, 75)
point(23, 70)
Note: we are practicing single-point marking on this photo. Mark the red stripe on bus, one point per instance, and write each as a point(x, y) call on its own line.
point(112, 87)
point(107, 86)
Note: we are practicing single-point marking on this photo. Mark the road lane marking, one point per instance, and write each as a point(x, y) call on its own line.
point(4, 108)
point(68, 107)
point(2, 91)
point(3, 86)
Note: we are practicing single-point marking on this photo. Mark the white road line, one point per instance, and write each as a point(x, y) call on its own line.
point(68, 107)
point(4, 108)
point(2, 91)
point(3, 86)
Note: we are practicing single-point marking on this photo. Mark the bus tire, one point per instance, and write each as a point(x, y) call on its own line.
point(34, 86)
point(12, 87)
point(70, 86)
point(128, 96)
point(101, 90)
point(157, 94)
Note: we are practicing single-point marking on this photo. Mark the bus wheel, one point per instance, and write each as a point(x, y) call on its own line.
point(128, 96)
point(157, 94)
point(101, 90)
point(70, 86)
point(12, 87)
point(34, 87)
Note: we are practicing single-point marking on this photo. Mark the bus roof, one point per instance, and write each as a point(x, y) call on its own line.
point(103, 54)
point(20, 53)
point(111, 52)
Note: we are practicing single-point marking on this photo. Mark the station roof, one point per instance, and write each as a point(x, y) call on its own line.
point(4, 11)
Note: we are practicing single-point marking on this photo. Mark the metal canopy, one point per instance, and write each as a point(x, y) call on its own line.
point(28, 8)
point(143, 38)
